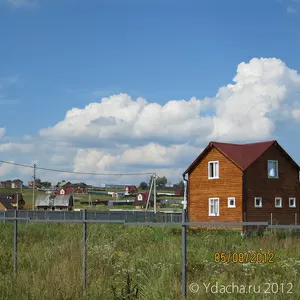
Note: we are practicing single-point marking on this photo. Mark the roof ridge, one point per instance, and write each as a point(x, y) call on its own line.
point(234, 144)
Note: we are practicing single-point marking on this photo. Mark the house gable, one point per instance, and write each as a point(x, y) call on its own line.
point(228, 185)
point(287, 185)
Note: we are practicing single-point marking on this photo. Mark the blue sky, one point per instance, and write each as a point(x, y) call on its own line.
point(59, 55)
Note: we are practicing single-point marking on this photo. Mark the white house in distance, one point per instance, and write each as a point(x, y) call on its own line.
point(16, 184)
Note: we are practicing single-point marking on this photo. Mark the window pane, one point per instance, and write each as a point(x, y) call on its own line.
point(211, 170)
point(216, 207)
point(272, 168)
point(216, 174)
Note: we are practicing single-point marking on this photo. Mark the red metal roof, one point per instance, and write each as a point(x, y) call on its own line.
point(243, 155)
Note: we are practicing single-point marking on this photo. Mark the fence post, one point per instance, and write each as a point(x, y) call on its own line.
point(183, 233)
point(84, 251)
point(271, 221)
point(295, 218)
point(15, 242)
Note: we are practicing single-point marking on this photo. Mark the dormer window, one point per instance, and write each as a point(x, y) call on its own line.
point(273, 168)
point(213, 170)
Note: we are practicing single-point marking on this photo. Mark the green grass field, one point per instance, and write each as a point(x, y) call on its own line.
point(121, 258)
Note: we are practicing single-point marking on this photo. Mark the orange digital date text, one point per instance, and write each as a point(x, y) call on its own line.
point(244, 257)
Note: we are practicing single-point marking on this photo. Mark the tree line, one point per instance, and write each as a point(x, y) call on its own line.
point(161, 182)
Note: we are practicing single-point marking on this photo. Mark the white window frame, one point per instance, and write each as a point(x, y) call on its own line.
point(258, 206)
point(276, 169)
point(294, 198)
point(280, 205)
point(214, 214)
point(229, 199)
point(216, 169)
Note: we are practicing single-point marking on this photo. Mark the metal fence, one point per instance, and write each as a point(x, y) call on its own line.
point(142, 218)
point(131, 216)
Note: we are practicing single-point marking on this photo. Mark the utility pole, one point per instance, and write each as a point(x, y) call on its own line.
point(33, 186)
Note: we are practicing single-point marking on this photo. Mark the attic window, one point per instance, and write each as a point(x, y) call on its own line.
point(213, 170)
point(273, 168)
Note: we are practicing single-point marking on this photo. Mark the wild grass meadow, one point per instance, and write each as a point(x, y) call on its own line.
point(140, 262)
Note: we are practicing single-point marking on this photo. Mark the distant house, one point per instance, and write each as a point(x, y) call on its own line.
point(14, 199)
point(13, 184)
point(65, 191)
point(179, 192)
point(54, 202)
point(37, 184)
point(16, 184)
point(256, 182)
point(130, 189)
point(65, 184)
point(80, 188)
point(5, 204)
point(5, 184)
point(141, 200)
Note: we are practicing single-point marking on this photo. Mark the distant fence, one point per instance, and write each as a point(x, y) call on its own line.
point(131, 216)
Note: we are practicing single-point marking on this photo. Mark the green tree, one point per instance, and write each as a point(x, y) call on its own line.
point(162, 181)
point(179, 185)
point(143, 185)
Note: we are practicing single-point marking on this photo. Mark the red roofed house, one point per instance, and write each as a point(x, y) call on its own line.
point(65, 191)
point(130, 189)
point(141, 200)
point(257, 182)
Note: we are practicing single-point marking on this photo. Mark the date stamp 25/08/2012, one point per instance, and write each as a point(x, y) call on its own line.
point(244, 257)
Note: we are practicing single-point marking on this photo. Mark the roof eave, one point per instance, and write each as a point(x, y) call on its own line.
point(199, 157)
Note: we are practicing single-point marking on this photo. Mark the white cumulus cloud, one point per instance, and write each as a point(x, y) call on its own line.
point(16, 147)
point(119, 134)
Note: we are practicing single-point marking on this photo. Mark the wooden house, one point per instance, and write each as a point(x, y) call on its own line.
point(257, 182)
point(5, 204)
point(130, 189)
point(141, 199)
point(15, 199)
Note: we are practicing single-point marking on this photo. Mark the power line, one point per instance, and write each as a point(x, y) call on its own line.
point(77, 173)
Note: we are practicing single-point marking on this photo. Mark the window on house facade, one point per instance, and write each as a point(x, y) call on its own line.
point(278, 202)
point(272, 168)
point(213, 170)
point(231, 202)
point(258, 202)
point(213, 207)
point(292, 202)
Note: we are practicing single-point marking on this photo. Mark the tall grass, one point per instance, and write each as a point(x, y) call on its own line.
point(137, 262)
